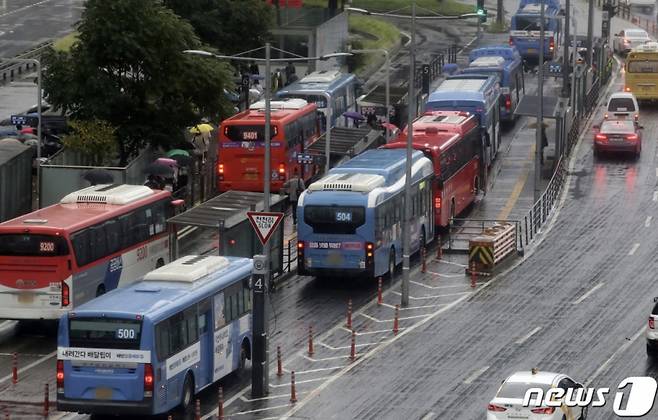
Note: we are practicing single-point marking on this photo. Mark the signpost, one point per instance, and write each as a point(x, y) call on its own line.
point(264, 223)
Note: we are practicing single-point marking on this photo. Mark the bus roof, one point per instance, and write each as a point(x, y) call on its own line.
point(425, 140)
point(382, 162)
point(281, 110)
point(488, 61)
point(170, 288)
point(535, 10)
point(85, 207)
point(464, 87)
point(458, 122)
point(549, 3)
point(649, 47)
point(318, 81)
point(509, 53)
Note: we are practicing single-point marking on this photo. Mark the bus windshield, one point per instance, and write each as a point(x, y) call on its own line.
point(528, 23)
point(105, 333)
point(334, 219)
point(644, 66)
point(26, 245)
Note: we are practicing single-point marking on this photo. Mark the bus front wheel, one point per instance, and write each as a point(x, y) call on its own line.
point(188, 393)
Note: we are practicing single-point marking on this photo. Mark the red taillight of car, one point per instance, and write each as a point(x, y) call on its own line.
point(494, 407)
point(601, 137)
point(511, 41)
point(60, 376)
point(508, 102)
point(543, 410)
point(66, 294)
point(551, 44)
point(632, 137)
point(148, 380)
point(652, 323)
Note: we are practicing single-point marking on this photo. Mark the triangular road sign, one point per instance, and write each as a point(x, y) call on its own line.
point(264, 223)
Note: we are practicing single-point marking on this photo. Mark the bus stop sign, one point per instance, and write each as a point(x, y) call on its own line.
point(264, 223)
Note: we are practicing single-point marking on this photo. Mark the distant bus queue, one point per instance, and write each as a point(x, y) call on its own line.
point(525, 29)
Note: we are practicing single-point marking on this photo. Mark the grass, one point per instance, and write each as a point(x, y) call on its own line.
point(497, 28)
point(65, 43)
point(443, 7)
point(384, 35)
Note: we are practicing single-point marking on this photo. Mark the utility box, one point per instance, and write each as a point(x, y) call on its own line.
point(15, 180)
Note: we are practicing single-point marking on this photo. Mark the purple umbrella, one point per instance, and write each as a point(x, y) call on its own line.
point(354, 115)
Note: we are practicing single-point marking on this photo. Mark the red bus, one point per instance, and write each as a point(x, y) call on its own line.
point(92, 241)
point(294, 127)
point(451, 140)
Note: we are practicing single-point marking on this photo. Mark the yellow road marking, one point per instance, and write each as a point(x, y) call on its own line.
point(518, 187)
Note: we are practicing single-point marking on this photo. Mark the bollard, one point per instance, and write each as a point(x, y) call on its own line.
point(395, 320)
point(473, 276)
point(279, 364)
point(423, 267)
point(46, 401)
point(349, 314)
point(380, 300)
point(439, 250)
point(220, 404)
point(353, 347)
point(293, 394)
point(310, 340)
point(197, 410)
point(14, 368)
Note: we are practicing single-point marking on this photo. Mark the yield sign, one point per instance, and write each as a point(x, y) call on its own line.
point(264, 224)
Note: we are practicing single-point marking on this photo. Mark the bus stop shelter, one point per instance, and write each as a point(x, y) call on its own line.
point(553, 108)
point(226, 214)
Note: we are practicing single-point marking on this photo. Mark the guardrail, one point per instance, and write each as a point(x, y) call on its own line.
point(290, 256)
point(449, 55)
point(462, 231)
point(9, 71)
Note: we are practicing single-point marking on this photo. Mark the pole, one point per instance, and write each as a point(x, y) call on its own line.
point(500, 12)
point(406, 228)
point(573, 73)
point(565, 59)
point(590, 31)
point(387, 118)
point(327, 143)
point(38, 133)
point(260, 367)
point(540, 108)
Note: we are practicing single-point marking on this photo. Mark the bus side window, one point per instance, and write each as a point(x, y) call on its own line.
point(113, 233)
point(98, 242)
point(159, 217)
point(246, 294)
point(219, 311)
point(140, 226)
point(82, 247)
point(126, 231)
point(204, 315)
point(192, 326)
point(163, 341)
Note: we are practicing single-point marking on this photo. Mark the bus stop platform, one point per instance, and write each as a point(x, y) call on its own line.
point(347, 142)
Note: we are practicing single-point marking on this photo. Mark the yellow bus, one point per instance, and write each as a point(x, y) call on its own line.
point(642, 71)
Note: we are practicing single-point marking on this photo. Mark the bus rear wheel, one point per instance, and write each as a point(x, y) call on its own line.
point(188, 393)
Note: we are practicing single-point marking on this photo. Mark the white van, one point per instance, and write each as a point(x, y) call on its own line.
point(622, 105)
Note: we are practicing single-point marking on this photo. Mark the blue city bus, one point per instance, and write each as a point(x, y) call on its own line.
point(350, 221)
point(341, 87)
point(479, 95)
point(151, 347)
point(525, 29)
point(504, 62)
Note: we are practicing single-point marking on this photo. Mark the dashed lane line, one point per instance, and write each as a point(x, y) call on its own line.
point(305, 381)
point(372, 318)
point(304, 372)
point(647, 222)
point(476, 374)
point(269, 397)
point(30, 366)
point(634, 248)
point(655, 196)
point(444, 275)
point(435, 296)
point(429, 416)
point(527, 336)
point(29, 6)
point(586, 295)
point(330, 347)
point(627, 343)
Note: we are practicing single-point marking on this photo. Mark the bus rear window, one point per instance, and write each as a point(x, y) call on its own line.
point(105, 333)
point(643, 66)
point(334, 219)
point(25, 245)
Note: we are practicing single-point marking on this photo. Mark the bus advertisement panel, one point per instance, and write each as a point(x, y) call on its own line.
point(294, 126)
point(451, 140)
point(91, 242)
point(350, 221)
point(150, 347)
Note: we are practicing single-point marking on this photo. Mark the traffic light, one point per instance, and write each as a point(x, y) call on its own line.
point(481, 11)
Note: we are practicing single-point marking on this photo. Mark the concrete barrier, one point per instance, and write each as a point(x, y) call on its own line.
point(491, 247)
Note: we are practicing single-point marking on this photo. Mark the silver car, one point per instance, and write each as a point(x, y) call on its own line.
point(624, 41)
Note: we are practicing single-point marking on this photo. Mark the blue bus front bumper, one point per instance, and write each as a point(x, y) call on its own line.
point(144, 407)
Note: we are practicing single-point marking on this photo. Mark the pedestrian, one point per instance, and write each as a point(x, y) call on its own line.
point(544, 143)
point(253, 68)
point(294, 186)
point(371, 120)
point(290, 71)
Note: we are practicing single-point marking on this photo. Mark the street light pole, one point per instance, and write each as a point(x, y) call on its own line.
point(540, 109)
point(406, 227)
point(590, 32)
point(565, 58)
point(38, 65)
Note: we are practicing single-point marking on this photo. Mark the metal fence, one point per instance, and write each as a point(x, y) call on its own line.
point(449, 55)
point(290, 256)
point(8, 71)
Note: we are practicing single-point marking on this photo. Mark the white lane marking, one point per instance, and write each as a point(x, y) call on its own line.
point(429, 416)
point(433, 296)
point(372, 318)
point(305, 381)
point(269, 397)
point(437, 287)
point(186, 231)
point(467, 45)
point(258, 410)
point(449, 276)
point(527, 336)
point(586, 295)
point(627, 343)
point(656, 172)
point(347, 347)
point(410, 308)
point(30, 366)
point(655, 196)
point(475, 375)
point(452, 263)
point(367, 332)
point(634, 248)
point(647, 222)
point(23, 355)
point(366, 356)
point(302, 372)
point(25, 8)
point(324, 359)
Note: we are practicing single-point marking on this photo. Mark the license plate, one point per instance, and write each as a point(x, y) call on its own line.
point(26, 298)
point(532, 50)
point(617, 139)
point(103, 393)
point(335, 258)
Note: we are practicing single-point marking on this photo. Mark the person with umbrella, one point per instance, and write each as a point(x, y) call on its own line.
point(294, 186)
point(157, 172)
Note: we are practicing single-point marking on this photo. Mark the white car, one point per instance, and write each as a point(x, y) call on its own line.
point(622, 105)
point(624, 41)
point(508, 402)
point(652, 331)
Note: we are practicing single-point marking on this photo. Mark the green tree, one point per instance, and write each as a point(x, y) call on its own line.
point(231, 26)
point(127, 68)
point(95, 139)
